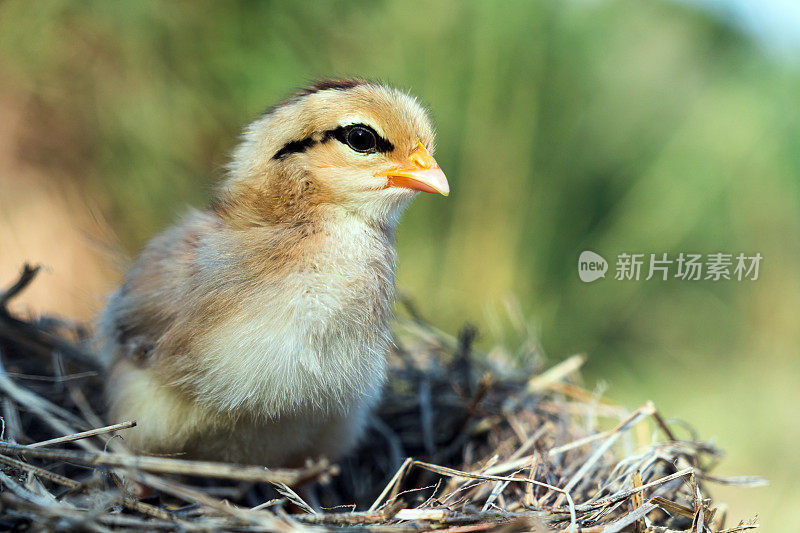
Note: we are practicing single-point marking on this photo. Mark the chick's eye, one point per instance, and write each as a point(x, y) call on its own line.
point(361, 139)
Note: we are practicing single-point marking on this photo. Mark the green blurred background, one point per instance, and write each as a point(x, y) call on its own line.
point(629, 126)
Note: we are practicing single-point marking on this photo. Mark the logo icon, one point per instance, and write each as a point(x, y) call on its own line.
point(591, 266)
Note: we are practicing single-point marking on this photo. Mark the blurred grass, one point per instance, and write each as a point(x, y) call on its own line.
point(610, 126)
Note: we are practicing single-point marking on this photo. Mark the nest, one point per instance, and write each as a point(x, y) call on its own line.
point(463, 441)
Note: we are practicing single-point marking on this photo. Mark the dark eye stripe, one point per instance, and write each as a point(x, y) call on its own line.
point(294, 147)
point(340, 134)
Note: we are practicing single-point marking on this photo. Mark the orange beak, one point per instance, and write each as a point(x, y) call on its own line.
point(422, 173)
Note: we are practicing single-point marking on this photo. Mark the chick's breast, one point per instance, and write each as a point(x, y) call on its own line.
point(227, 351)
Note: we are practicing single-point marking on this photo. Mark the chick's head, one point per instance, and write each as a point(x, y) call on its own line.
point(352, 144)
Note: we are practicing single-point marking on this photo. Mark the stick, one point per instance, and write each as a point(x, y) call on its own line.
point(556, 373)
point(84, 434)
point(636, 417)
point(392, 482)
point(25, 277)
point(172, 466)
point(262, 518)
point(458, 473)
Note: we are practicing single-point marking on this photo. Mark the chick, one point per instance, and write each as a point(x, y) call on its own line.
point(256, 331)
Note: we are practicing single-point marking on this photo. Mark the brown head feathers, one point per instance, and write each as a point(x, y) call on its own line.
point(303, 156)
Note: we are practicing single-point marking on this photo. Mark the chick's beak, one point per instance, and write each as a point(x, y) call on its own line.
point(421, 173)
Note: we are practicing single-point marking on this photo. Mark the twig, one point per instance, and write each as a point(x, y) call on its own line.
point(556, 373)
point(262, 518)
point(172, 466)
point(347, 519)
point(42, 342)
point(394, 482)
point(130, 503)
point(30, 336)
point(41, 472)
point(293, 497)
point(636, 417)
point(25, 277)
point(84, 434)
point(41, 407)
point(630, 518)
point(458, 473)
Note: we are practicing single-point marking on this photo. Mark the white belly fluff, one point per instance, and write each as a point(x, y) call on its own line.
point(275, 387)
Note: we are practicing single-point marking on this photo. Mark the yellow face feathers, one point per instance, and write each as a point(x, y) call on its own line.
point(358, 145)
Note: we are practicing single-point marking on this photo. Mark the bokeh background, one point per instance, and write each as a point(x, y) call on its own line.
point(613, 126)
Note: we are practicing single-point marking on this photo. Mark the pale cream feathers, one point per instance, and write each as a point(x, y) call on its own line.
point(256, 331)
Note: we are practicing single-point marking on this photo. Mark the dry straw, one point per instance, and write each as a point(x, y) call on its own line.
point(463, 442)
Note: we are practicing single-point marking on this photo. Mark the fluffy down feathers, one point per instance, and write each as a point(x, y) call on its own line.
point(256, 331)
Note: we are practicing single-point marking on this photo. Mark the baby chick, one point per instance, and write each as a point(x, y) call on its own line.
point(256, 331)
